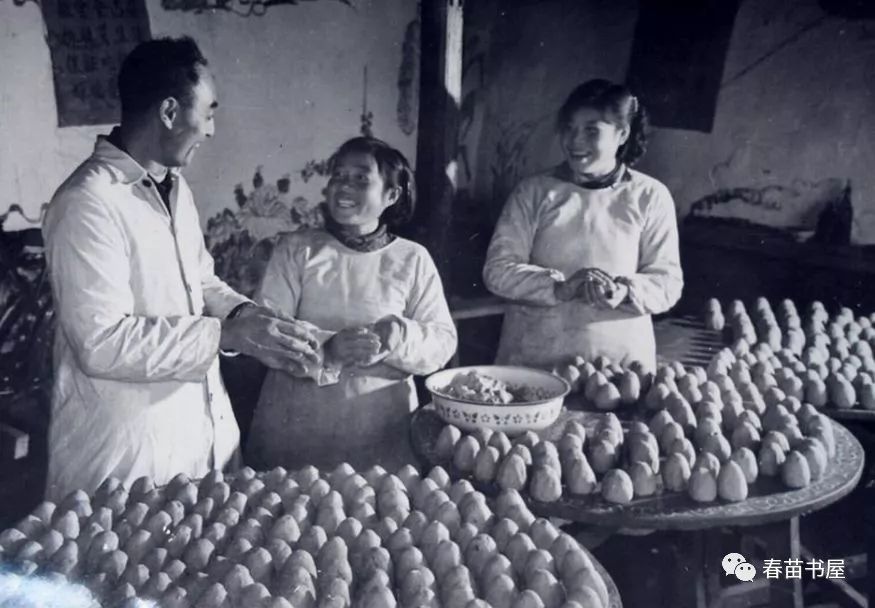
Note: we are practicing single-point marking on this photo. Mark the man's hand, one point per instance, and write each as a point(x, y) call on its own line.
point(282, 344)
point(353, 346)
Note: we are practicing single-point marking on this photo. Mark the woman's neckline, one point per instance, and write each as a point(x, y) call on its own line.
point(351, 250)
point(610, 180)
point(376, 240)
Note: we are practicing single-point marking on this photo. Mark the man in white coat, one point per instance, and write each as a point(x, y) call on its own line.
point(142, 317)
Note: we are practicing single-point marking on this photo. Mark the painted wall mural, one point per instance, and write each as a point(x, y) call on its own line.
point(795, 206)
point(242, 241)
point(821, 211)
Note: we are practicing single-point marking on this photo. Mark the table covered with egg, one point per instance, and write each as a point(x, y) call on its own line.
point(307, 538)
point(744, 438)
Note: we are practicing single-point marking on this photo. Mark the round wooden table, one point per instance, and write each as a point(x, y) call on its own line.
point(768, 502)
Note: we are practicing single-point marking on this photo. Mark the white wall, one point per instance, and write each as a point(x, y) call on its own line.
point(801, 117)
point(290, 88)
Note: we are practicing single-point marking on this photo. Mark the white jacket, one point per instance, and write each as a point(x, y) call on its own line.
point(137, 389)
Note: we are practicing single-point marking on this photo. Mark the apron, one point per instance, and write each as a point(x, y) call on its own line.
point(364, 420)
point(538, 336)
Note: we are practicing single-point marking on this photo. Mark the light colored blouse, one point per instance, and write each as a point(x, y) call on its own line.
point(362, 417)
point(549, 229)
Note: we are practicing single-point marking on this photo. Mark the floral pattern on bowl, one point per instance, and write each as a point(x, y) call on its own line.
point(500, 420)
point(512, 418)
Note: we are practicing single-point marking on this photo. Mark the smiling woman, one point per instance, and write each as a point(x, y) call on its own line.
point(378, 298)
point(356, 193)
point(589, 250)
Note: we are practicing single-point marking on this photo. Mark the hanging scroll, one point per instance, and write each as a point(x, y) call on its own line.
point(88, 39)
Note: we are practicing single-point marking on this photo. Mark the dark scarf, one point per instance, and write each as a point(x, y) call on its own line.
point(377, 239)
point(565, 173)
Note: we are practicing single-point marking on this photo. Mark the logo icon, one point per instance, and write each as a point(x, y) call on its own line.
point(735, 563)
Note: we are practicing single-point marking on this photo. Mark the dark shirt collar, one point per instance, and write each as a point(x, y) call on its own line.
point(620, 173)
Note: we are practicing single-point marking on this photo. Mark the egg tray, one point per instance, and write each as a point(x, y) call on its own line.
point(375, 551)
point(768, 499)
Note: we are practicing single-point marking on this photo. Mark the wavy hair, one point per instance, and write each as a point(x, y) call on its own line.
point(617, 101)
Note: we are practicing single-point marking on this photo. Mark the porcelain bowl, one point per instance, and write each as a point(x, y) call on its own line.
point(511, 418)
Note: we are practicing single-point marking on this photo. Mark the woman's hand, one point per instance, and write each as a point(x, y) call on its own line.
point(564, 290)
point(353, 346)
point(391, 333)
point(616, 298)
point(590, 285)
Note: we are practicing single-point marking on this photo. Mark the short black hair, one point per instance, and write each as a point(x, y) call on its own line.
point(395, 171)
point(158, 69)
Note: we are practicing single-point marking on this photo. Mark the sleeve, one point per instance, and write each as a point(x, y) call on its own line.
point(280, 288)
point(508, 272)
point(219, 298)
point(657, 285)
point(280, 291)
point(87, 254)
point(428, 331)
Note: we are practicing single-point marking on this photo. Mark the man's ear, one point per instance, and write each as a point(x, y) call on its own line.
point(168, 111)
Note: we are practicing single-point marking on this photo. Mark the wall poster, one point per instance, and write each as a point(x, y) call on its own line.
point(88, 39)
